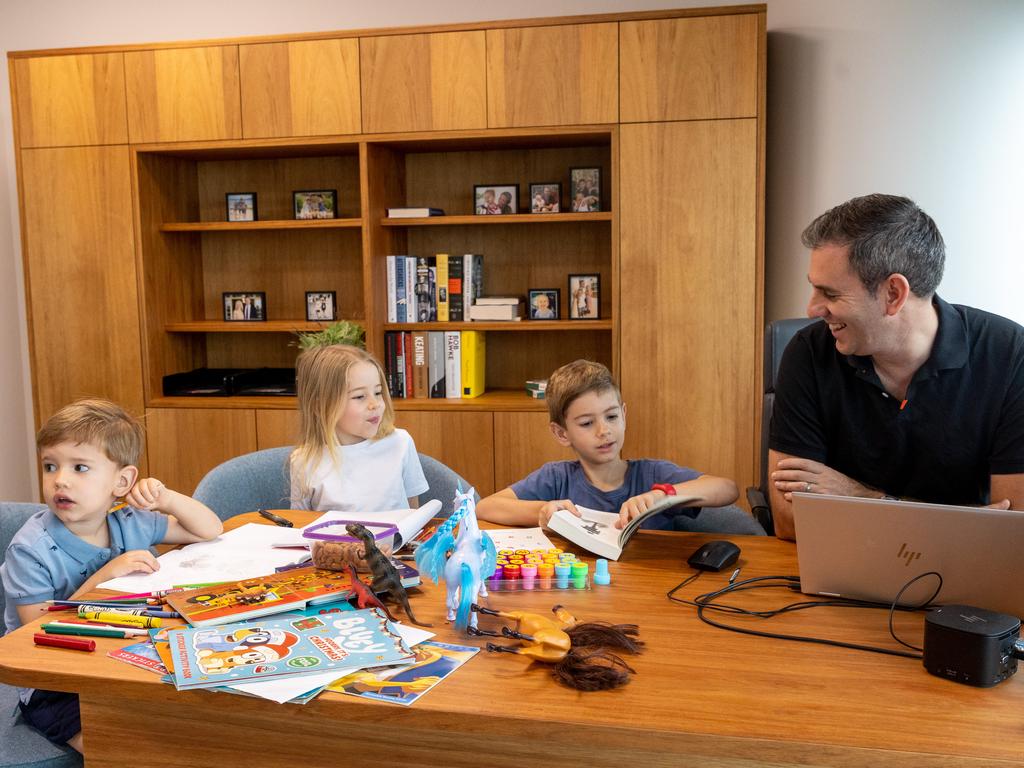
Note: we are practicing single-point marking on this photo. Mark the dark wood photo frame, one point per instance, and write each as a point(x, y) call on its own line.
point(321, 305)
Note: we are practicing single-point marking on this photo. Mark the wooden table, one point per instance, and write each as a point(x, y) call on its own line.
point(701, 696)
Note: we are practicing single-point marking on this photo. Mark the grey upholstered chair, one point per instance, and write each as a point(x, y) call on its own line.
point(21, 746)
point(777, 336)
point(262, 479)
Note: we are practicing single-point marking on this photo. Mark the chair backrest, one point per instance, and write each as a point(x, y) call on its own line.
point(12, 516)
point(263, 480)
point(260, 480)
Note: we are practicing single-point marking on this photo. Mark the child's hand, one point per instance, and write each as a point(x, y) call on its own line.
point(637, 505)
point(145, 494)
point(546, 511)
point(133, 561)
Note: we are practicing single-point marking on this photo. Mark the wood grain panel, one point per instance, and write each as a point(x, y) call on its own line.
point(434, 82)
point(276, 428)
point(559, 75)
point(183, 94)
point(306, 88)
point(186, 443)
point(463, 441)
point(70, 100)
point(522, 443)
point(81, 286)
point(688, 358)
point(689, 69)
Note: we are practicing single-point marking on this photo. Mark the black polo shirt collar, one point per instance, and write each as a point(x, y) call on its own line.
point(949, 350)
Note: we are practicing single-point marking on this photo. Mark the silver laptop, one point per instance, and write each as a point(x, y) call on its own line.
point(870, 548)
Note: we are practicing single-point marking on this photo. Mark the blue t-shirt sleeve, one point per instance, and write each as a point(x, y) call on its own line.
point(141, 528)
point(545, 484)
point(26, 578)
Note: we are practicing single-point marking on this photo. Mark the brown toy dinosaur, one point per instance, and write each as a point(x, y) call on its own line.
point(365, 597)
point(385, 576)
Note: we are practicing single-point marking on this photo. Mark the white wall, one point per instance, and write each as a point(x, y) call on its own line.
point(916, 97)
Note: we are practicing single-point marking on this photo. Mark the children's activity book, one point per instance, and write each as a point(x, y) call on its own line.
point(259, 596)
point(405, 683)
point(142, 655)
point(235, 653)
point(596, 530)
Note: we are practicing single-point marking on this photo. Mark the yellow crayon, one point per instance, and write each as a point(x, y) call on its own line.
point(122, 618)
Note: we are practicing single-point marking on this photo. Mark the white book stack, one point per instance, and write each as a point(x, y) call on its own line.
point(497, 308)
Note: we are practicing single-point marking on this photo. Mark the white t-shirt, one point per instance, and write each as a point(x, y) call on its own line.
point(371, 476)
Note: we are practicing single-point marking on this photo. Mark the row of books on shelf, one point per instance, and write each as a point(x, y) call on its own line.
point(428, 289)
point(435, 364)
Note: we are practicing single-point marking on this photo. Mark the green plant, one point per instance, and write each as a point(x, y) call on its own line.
point(341, 332)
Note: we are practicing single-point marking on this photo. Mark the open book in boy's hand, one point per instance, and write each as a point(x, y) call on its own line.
point(596, 530)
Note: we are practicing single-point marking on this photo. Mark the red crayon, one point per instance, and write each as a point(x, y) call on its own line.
point(59, 641)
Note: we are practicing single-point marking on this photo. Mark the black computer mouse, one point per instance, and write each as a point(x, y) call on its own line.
point(714, 556)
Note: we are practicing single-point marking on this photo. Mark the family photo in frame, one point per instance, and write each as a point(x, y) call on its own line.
point(585, 189)
point(320, 305)
point(546, 197)
point(245, 305)
point(544, 304)
point(315, 203)
point(495, 199)
point(241, 206)
point(584, 297)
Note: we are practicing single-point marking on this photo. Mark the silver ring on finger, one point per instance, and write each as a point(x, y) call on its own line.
point(807, 488)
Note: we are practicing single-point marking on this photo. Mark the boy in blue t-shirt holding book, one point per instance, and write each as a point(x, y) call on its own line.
point(588, 415)
point(89, 451)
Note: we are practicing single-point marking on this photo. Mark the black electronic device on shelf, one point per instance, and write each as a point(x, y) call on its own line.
point(201, 382)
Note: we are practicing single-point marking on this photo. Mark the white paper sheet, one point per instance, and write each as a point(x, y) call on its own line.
point(520, 538)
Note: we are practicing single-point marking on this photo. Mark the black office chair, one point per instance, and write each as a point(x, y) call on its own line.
point(777, 336)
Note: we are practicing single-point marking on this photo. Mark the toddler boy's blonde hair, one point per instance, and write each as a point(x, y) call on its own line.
point(97, 422)
point(575, 379)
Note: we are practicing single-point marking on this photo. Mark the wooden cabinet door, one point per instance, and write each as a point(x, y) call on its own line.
point(183, 94)
point(689, 265)
point(689, 69)
point(186, 443)
point(559, 75)
point(275, 429)
point(302, 88)
point(81, 288)
point(432, 82)
point(522, 443)
point(463, 441)
point(64, 101)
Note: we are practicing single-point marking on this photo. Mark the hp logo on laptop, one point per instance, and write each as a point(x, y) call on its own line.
point(907, 555)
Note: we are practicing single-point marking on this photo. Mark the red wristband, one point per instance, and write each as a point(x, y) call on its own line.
point(667, 488)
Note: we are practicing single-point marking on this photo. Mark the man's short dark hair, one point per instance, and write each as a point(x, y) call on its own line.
point(886, 234)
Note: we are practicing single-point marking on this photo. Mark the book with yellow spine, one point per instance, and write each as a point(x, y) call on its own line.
point(474, 363)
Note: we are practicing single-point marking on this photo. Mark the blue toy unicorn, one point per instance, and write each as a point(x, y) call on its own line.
point(472, 560)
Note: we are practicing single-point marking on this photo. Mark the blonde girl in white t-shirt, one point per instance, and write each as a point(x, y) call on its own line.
point(350, 457)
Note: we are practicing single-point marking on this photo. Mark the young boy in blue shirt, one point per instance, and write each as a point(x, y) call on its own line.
point(89, 451)
point(588, 415)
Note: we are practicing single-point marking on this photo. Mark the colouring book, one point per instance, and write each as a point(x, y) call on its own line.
point(259, 596)
point(405, 683)
point(208, 657)
point(142, 655)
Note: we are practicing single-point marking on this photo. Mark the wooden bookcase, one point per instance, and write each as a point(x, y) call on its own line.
point(670, 105)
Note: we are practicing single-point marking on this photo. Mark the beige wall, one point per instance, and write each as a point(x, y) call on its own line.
point(909, 96)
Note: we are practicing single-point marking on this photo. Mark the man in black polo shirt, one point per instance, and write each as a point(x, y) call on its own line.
point(896, 393)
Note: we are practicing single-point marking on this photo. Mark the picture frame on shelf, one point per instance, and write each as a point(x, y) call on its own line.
point(241, 206)
point(315, 203)
point(244, 306)
point(584, 297)
point(321, 305)
point(495, 199)
point(585, 189)
point(546, 197)
point(544, 303)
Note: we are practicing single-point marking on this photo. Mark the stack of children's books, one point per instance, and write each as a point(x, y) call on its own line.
point(536, 388)
point(287, 636)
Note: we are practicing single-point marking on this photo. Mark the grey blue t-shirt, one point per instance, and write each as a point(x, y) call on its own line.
point(46, 561)
point(567, 480)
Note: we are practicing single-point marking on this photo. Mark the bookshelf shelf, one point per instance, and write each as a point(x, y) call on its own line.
point(493, 400)
point(256, 226)
point(518, 218)
point(242, 326)
point(522, 326)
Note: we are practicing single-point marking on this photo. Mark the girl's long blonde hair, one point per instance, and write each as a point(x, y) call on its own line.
point(322, 375)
